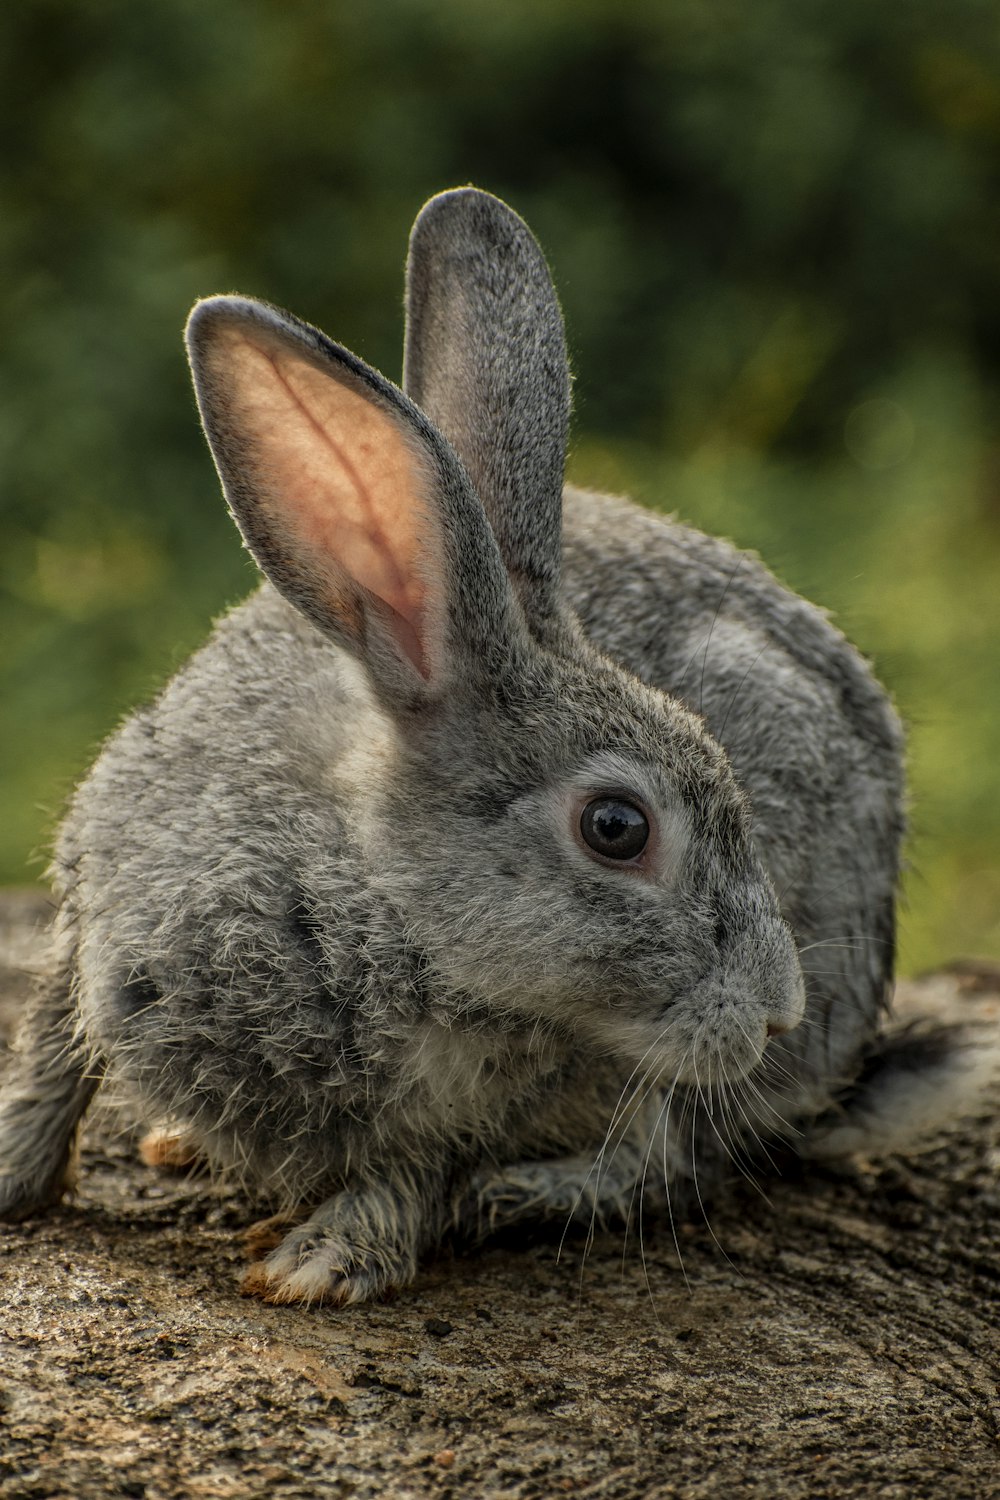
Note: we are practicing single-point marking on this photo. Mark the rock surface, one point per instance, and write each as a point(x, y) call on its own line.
point(838, 1337)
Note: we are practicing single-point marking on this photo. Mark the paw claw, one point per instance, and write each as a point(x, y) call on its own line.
point(270, 1285)
point(266, 1235)
point(255, 1282)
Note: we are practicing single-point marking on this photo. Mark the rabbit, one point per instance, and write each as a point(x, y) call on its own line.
point(510, 854)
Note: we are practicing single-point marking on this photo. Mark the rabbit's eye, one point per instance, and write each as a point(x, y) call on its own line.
point(616, 829)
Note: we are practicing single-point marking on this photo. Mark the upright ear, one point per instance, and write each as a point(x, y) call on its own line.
point(352, 504)
point(485, 358)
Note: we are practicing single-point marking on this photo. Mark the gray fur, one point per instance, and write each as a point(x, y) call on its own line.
point(49, 1081)
point(324, 905)
point(915, 1083)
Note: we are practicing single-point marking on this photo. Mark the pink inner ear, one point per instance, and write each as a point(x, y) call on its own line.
point(344, 486)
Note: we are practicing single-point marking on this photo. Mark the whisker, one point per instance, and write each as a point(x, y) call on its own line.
point(639, 1181)
point(619, 1117)
point(729, 1146)
point(849, 940)
point(694, 1159)
point(785, 1128)
point(703, 649)
point(720, 732)
point(661, 1125)
point(742, 1158)
point(666, 1184)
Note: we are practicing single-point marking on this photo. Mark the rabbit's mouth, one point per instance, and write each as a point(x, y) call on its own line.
point(715, 1034)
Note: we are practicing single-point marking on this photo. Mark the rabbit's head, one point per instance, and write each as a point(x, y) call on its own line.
point(566, 845)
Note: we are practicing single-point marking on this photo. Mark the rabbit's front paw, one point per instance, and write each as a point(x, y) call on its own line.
point(348, 1251)
point(522, 1193)
point(577, 1190)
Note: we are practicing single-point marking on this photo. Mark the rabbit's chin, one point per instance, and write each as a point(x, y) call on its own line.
point(714, 1062)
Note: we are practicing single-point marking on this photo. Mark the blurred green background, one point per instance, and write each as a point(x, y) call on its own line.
point(775, 228)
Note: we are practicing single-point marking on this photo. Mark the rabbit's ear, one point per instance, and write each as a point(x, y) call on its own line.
point(354, 507)
point(485, 358)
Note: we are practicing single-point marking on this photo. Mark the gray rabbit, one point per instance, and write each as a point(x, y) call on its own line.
point(484, 863)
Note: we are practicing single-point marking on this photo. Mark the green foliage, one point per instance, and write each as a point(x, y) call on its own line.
point(775, 232)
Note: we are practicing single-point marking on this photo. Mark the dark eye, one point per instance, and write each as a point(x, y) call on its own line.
point(616, 829)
